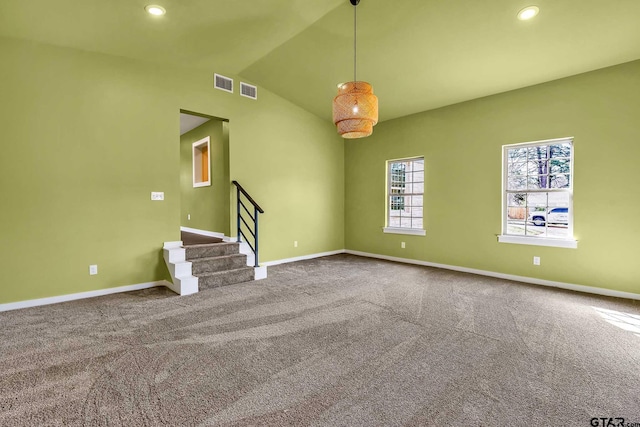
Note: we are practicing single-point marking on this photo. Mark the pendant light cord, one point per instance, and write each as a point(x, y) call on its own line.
point(355, 40)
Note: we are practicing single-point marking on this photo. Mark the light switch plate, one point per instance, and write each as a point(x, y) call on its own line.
point(157, 195)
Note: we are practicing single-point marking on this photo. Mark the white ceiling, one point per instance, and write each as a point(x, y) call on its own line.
point(189, 122)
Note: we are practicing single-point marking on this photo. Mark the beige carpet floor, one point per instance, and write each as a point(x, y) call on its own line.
point(335, 341)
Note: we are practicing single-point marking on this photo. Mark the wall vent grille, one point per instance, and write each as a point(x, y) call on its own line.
point(223, 83)
point(248, 90)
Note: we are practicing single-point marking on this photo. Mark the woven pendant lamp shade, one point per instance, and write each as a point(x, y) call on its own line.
point(355, 110)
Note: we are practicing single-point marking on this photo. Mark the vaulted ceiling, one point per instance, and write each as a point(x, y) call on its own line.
point(418, 54)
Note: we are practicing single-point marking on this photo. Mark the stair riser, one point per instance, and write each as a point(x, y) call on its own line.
point(194, 252)
point(218, 264)
point(208, 282)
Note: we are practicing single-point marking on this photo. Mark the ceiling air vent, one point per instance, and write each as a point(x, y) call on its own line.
point(248, 90)
point(223, 83)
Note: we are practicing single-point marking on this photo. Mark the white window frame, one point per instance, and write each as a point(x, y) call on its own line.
point(568, 242)
point(388, 194)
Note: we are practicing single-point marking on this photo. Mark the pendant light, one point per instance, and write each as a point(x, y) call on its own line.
point(355, 108)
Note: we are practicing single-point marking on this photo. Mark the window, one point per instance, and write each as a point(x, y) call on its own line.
point(538, 193)
point(405, 196)
point(201, 163)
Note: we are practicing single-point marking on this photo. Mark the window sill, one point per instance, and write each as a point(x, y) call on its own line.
point(539, 241)
point(411, 231)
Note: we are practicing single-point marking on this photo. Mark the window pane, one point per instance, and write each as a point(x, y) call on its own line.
point(560, 150)
point(538, 152)
point(396, 203)
point(517, 168)
point(560, 166)
point(537, 182)
point(538, 167)
point(559, 199)
point(515, 227)
point(516, 199)
point(515, 155)
point(408, 188)
point(558, 231)
point(405, 222)
point(559, 181)
point(537, 231)
point(394, 221)
point(517, 183)
point(537, 200)
point(416, 223)
point(517, 213)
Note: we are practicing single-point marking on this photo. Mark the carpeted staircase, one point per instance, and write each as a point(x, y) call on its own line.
point(218, 264)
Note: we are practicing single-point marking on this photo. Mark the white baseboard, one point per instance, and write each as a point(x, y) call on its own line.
point(303, 257)
point(532, 280)
point(101, 292)
point(81, 295)
point(203, 232)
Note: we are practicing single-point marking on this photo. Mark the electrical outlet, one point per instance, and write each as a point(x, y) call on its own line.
point(93, 269)
point(402, 245)
point(536, 260)
point(295, 243)
point(157, 195)
point(189, 217)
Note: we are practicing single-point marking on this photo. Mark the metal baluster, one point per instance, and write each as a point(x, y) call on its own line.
point(238, 213)
point(255, 215)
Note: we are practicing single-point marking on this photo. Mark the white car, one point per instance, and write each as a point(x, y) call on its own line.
point(552, 216)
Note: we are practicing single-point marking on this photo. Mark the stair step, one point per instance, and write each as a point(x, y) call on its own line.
point(219, 263)
point(211, 250)
point(223, 278)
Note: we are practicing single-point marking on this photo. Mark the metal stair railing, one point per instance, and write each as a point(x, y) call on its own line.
point(251, 221)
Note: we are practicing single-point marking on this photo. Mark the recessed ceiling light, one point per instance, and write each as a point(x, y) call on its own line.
point(528, 13)
point(155, 10)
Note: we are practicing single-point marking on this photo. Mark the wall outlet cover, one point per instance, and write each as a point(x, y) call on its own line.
point(93, 270)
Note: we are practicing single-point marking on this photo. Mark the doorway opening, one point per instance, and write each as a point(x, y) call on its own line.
point(204, 177)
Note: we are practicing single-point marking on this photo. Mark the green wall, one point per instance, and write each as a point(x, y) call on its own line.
point(462, 146)
point(208, 206)
point(87, 137)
